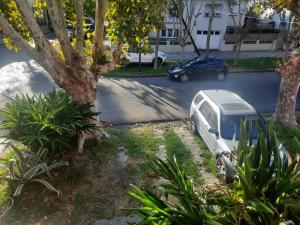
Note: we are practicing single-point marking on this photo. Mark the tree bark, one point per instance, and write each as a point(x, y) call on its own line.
point(79, 28)
point(58, 22)
point(286, 106)
point(289, 87)
point(99, 56)
point(182, 53)
point(212, 12)
point(238, 51)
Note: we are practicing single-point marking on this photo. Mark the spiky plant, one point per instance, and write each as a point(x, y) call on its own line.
point(46, 121)
point(28, 167)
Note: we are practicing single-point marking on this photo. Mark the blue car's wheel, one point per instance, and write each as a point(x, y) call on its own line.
point(220, 76)
point(184, 78)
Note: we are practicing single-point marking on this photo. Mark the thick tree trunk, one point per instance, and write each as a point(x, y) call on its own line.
point(83, 89)
point(289, 87)
point(286, 103)
point(99, 56)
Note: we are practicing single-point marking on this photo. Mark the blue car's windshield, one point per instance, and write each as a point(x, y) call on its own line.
point(230, 125)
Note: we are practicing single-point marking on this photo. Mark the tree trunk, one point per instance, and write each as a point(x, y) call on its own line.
point(83, 89)
point(99, 56)
point(289, 87)
point(238, 51)
point(212, 11)
point(286, 102)
point(182, 53)
point(156, 49)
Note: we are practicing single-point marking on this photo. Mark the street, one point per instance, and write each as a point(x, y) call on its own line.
point(125, 100)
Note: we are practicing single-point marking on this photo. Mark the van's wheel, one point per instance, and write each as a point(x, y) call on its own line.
point(220, 76)
point(194, 126)
point(184, 78)
point(222, 171)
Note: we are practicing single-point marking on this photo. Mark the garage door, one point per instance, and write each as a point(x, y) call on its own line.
point(215, 39)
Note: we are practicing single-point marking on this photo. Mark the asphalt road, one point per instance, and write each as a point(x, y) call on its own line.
point(123, 100)
point(149, 99)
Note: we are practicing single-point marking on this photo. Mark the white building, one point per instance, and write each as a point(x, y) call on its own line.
point(221, 34)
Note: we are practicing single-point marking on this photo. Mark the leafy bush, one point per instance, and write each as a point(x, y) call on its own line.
point(49, 121)
point(267, 191)
point(29, 167)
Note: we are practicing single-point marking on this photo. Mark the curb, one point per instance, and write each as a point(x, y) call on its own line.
point(116, 124)
point(165, 75)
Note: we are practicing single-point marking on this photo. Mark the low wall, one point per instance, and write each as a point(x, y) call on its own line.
point(174, 48)
point(248, 47)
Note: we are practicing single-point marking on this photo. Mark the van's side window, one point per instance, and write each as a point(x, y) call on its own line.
point(198, 99)
point(205, 109)
point(213, 120)
point(210, 115)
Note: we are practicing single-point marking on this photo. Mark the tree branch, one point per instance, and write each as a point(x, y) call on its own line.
point(17, 39)
point(98, 51)
point(41, 56)
point(59, 25)
point(79, 28)
point(39, 38)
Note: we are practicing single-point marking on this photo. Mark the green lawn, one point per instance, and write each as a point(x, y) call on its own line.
point(249, 64)
point(185, 159)
point(252, 64)
point(147, 70)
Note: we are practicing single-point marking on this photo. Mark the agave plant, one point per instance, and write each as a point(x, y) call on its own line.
point(29, 167)
point(188, 206)
point(48, 121)
point(266, 191)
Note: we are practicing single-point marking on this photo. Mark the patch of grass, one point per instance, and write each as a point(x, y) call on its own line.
point(209, 160)
point(184, 157)
point(245, 64)
point(140, 142)
point(146, 70)
point(252, 64)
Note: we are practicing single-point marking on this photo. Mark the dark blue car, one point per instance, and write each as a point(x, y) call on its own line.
point(199, 66)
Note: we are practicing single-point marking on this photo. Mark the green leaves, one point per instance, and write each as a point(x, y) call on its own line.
point(50, 121)
point(267, 191)
point(133, 20)
point(28, 167)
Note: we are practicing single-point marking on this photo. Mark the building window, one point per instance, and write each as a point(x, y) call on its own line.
point(205, 32)
point(163, 33)
point(217, 33)
point(176, 33)
point(170, 32)
point(199, 31)
point(217, 11)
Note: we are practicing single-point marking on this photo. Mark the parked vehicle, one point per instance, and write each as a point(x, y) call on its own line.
point(197, 67)
point(88, 28)
point(147, 58)
point(216, 115)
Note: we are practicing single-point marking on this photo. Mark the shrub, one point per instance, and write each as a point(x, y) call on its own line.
point(46, 121)
point(29, 167)
point(266, 192)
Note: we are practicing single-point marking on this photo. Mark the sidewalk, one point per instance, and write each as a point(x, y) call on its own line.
point(227, 55)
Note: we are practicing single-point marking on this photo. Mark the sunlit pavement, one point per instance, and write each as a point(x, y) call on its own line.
point(123, 100)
